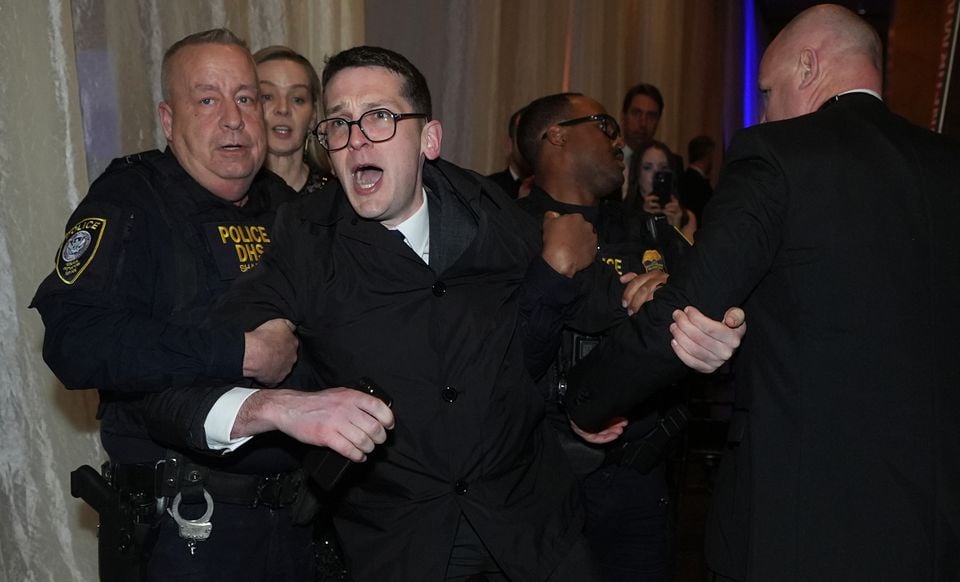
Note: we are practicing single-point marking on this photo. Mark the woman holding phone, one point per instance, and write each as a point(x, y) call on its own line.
point(657, 189)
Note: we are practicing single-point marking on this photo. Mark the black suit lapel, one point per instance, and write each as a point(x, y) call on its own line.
point(453, 225)
point(452, 229)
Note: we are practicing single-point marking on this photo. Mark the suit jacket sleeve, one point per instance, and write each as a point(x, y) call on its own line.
point(175, 417)
point(733, 253)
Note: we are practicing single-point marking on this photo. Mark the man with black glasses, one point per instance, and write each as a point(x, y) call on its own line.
point(408, 272)
point(575, 148)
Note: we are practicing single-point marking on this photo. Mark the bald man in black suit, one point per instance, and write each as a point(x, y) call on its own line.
point(834, 225)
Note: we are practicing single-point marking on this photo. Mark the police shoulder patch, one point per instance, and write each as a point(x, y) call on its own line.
point(79, 247)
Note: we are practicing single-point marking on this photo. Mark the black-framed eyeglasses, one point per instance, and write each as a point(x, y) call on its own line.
point(607, 124)
point(377, 125)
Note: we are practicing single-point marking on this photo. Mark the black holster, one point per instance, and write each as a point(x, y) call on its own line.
point(120, 534)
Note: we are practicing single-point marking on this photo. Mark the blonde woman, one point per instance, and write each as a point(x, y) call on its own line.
point(290, 91)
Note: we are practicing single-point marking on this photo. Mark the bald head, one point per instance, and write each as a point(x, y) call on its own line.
point(825, 50)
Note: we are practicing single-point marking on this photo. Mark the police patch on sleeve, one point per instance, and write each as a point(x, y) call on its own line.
point(79, 247)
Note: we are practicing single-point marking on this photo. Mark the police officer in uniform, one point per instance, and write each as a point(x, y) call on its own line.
point(576, 150)
point(157, 239)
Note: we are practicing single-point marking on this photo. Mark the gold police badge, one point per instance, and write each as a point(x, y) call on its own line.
point(652, 260)
point(79, 246)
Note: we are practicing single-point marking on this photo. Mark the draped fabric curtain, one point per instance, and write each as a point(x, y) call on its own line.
point(46, 432)
point(80, 86)
point(120, 46)
point(486, 58)
point(79, 83)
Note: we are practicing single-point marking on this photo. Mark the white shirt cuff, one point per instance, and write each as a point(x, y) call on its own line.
point(219, 422)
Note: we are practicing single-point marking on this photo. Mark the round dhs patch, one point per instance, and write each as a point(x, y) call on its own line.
point(79, 246)
point(75, 246)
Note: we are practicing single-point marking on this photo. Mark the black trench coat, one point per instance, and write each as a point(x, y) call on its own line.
point(444, 341)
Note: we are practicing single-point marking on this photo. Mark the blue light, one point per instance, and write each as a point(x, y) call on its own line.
point(750, 64)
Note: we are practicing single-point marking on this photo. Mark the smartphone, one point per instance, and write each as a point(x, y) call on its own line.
point(663, 186)
point(327, 467)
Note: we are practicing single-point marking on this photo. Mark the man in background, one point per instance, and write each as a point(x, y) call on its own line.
point(511, 179)
point(639, 117)
point(695, 188)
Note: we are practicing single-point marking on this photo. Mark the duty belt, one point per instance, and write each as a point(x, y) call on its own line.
point(171, 476)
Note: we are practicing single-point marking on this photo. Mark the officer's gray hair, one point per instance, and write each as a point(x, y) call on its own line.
point(214, 36)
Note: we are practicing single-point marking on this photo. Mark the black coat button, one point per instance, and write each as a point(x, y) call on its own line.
point(439, 289)
point(460, 487)
point(449, 394)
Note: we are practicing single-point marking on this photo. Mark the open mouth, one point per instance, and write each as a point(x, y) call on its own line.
point(282, 129)
point(233, 147)
point(367, 176)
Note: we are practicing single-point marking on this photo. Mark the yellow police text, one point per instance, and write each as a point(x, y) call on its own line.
point(243, 233)
point(617, 264)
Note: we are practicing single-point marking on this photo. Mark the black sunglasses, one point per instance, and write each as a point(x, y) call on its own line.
point(605, 123)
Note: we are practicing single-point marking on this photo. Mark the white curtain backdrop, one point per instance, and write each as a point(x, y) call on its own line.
point(79, 83)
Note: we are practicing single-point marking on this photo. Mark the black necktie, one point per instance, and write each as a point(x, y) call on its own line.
point(399, 235)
